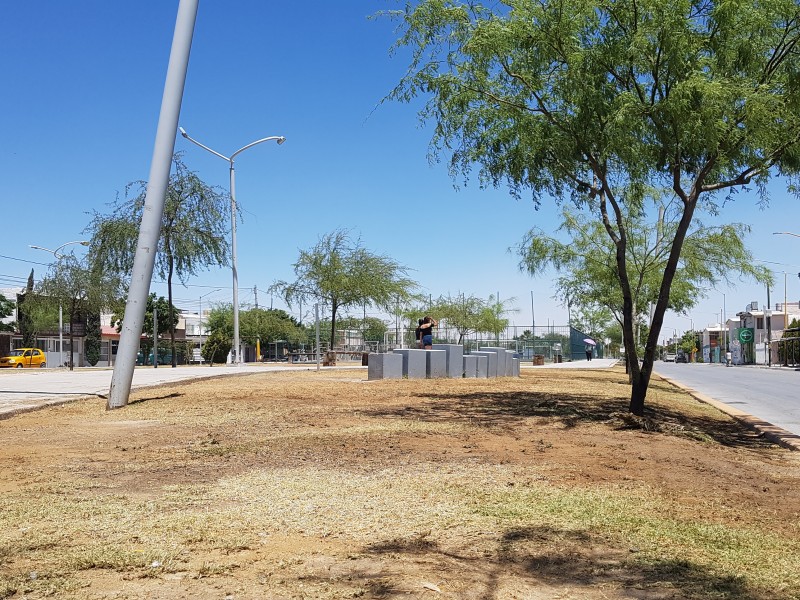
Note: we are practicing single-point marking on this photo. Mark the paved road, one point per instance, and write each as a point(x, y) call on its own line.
point(25, 389)
point(772, 395)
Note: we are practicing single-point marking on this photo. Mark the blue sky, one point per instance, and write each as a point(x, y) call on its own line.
point(82, 90)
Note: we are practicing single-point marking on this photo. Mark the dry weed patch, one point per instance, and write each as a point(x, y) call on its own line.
point(324, 485)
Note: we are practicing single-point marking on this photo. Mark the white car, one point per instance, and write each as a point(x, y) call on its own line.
point(670, 357)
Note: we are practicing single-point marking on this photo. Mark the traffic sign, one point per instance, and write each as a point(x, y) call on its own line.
point(746, 335)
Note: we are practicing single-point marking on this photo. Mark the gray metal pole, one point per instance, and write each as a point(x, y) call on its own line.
point(234, 268)
point(150, 228)
point(61, 335)
point(316, 319)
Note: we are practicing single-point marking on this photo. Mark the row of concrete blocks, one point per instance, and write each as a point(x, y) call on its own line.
point(445, 360)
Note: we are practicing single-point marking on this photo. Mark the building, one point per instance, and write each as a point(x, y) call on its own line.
point(756, 331)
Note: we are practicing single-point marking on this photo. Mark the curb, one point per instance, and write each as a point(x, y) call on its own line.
point(773, 433)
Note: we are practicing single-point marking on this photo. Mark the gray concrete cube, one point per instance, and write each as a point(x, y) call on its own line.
point(470, 365)
point(510, 354)
point(385, 366)
point(455, 355)
point(415, 364)
point(503, 361)
point(491, 370)
point(482, 368)
point(436, 364)
point(515, 362)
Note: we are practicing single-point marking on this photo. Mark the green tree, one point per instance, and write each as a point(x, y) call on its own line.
point(6, 310)
point(216, 348)
point(193, 230)
point(461, 312)
point(340, 273)
point(589, 271)
point(159, 313)
point(79, 289)
point(93, 338)
point(492, 317)
point(598, 101)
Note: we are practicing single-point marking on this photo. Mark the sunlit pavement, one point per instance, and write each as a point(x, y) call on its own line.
point(26, 389)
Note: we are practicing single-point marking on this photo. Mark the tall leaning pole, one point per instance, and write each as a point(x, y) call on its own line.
point(150, 228)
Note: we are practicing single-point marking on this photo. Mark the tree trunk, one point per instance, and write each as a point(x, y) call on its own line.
point(333, 324)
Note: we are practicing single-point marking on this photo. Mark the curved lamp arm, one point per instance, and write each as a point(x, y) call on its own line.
point(55, 252)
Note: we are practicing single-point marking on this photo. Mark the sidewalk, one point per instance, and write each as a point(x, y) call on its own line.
point(23, 390)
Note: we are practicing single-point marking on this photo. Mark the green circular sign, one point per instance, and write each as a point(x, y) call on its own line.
point(745, 336)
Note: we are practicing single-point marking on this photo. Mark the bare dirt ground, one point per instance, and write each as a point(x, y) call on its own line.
point(324, 485)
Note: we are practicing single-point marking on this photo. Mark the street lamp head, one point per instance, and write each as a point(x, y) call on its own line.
point(183, 132)
point(281, 139)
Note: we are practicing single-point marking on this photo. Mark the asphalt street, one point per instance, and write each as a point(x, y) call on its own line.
point(771, 394)
point(26, 389)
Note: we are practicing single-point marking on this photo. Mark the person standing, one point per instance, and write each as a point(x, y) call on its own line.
point(428, 323)
point(418, 334)
point(589, 349)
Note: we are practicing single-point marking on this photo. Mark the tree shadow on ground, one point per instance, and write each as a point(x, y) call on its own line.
point(554, 558)
point(507, 408)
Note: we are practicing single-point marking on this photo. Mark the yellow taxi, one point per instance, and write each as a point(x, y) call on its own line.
point(24, 357)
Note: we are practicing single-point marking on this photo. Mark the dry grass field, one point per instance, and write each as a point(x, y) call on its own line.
point(325, 486)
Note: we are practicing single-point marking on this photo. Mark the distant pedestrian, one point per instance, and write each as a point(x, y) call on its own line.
point(589, 350)
point(428, 323)
point(418, 333)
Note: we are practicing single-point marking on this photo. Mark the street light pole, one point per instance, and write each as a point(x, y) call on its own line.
point(236, 351)
point(60, 308)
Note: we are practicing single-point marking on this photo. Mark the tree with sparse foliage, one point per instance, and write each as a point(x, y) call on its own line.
point(462, 312)
point(585, 259)
point(194, 230)
point(341, 273)
point(79, 289)
point(596, 102)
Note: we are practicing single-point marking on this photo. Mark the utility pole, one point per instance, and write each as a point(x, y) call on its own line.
point(258, 322)
point(768, 317)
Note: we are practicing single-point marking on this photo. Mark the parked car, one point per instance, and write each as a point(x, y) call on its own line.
point(24, 358)
point(669, 357)
point(682, 357)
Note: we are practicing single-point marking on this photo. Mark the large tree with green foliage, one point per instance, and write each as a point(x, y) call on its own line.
point(257, 324)
point(598, 101)
point(194, 230)
point(341, 273)
point(462, 312)
point(585, 257)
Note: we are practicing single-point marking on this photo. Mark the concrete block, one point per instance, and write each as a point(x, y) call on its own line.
point(414, 363)
point(510, 354)
point(491, 370)
point(470, 365)
point(385, 366)
point(455, 355)
point(482, 368)
point(503, 361)
point(436, 364)
point(515, 367)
